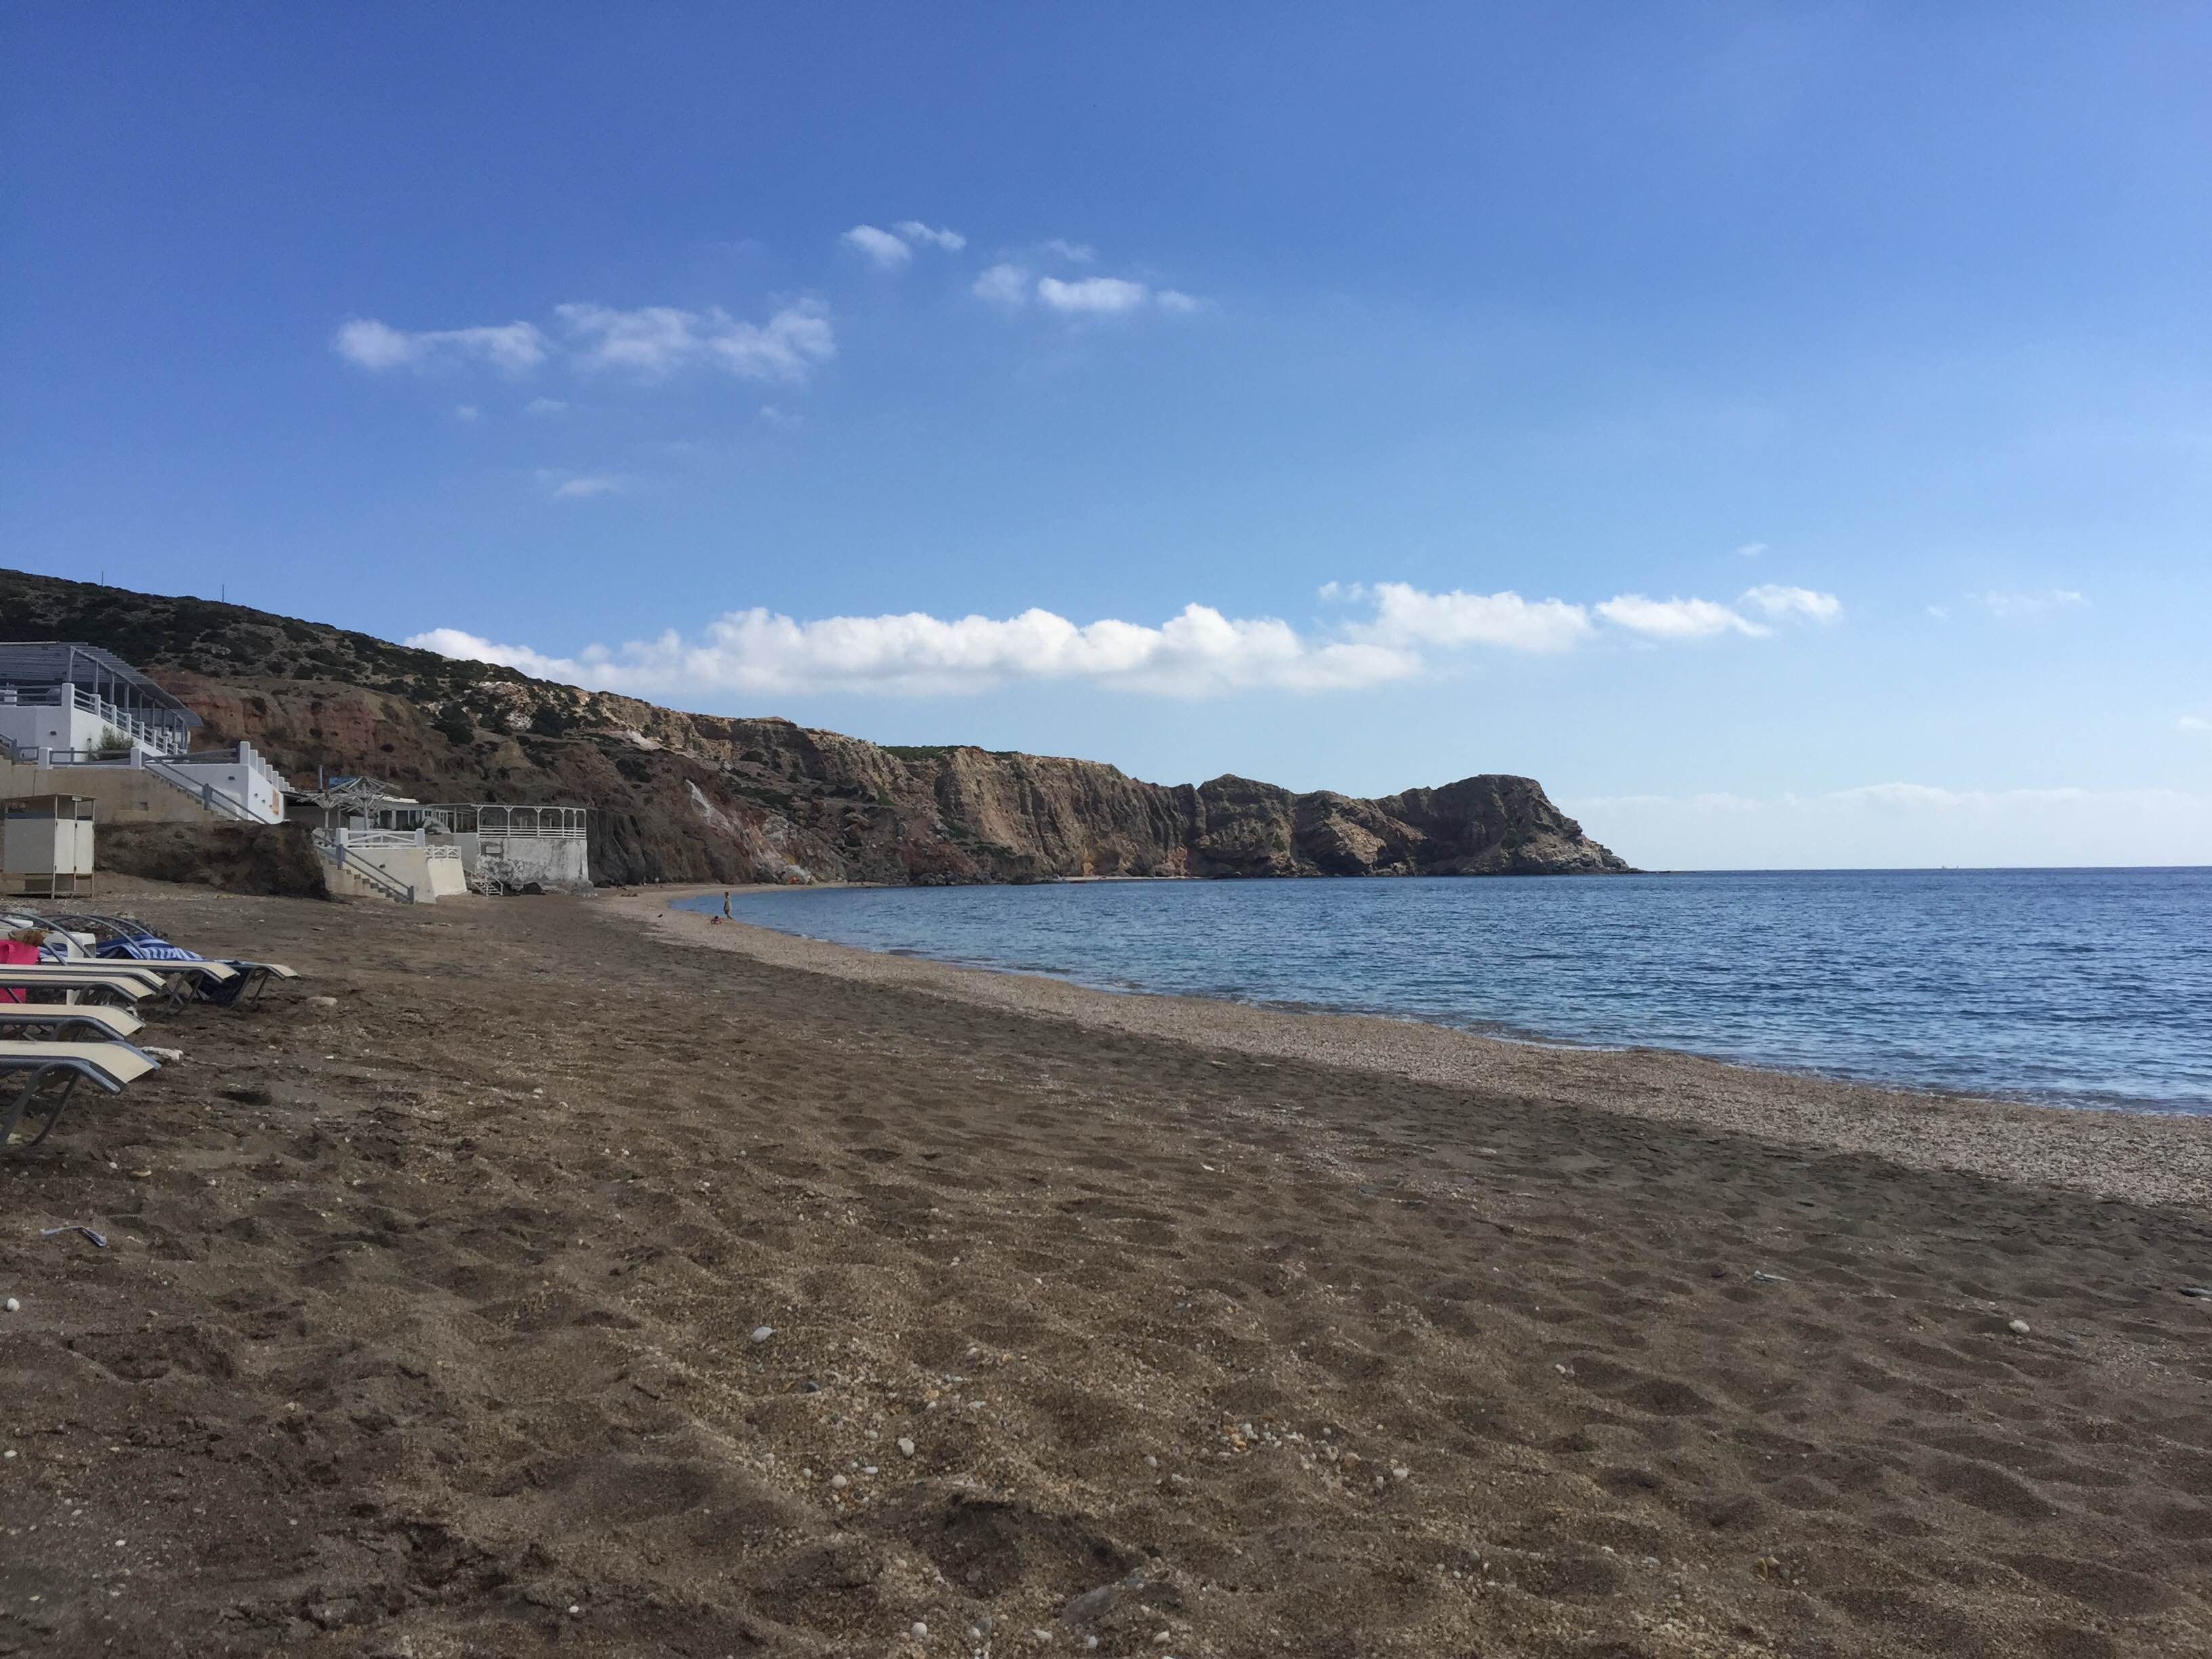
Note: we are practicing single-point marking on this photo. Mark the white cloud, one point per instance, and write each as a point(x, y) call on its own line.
point(545, 406)
point(1901, 825)
point(582, 487)
point(1195, 652)
point(511, 347)
point(1002, 284)
point(1674, 619)
point(1012, 284)
point(773, 416)
point(1075, 253)
point(1404, 615)
point(892, 250)
point(467, 412)
point(887, 252)
point(920, 235)
point(1093, 295)
point(1751, 549)
point(650, 341)
point(2193, 723)
point(655, 341)
point(2027, 607)
point(467, 647)
point(1777, 601)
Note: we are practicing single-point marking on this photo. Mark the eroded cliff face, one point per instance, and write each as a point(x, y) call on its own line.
point(681, 797)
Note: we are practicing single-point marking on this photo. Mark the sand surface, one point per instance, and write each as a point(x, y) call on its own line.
point(427, 1324)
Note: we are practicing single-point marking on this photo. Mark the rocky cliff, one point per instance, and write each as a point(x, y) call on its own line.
point(682, 797)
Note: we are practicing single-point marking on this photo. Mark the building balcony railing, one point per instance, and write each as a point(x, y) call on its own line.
point(159, 730)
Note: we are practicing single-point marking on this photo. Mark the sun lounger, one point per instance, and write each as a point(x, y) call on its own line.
point(117, 983)
point(61, 972)
point(173, 981)
point(37, 1079)
point(178, 981)
point(234, 982)
point(69, 1021)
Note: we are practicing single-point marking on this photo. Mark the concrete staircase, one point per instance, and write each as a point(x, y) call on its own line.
point(350, 875)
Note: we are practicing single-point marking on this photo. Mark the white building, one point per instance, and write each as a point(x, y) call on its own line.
point(76, 721)
point(503, 846)
point(422, 851)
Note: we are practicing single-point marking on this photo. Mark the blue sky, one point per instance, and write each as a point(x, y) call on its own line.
point(1786, 431)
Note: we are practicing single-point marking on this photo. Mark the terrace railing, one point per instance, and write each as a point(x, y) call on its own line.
point(168, 739)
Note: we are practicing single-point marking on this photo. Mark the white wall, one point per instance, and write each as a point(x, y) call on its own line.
point(249, 779)
point(54, 725)
point(559, 863)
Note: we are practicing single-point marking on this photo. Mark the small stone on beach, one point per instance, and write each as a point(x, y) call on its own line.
point(761, 1332)
point(12, 1305)
point(906, 1447)
point(2018, 1328)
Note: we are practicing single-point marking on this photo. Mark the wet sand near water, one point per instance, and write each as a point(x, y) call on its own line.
point(592, 1279)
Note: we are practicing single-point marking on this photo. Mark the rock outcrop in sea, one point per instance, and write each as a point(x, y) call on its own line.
point(682, 797)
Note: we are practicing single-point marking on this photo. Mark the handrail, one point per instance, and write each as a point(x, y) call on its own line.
point(380, 837)
point(338, 854)
point(208, 793)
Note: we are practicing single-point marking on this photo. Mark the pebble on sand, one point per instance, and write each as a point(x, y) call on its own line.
point(12, 1305)
point(906, 1447)
point(761, 1332)
point(2018, 1328)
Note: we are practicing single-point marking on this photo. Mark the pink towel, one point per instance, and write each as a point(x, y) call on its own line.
point(14, 953)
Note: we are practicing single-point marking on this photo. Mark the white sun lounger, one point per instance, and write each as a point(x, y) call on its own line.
point(66, 972)
point(79, 934)
point(121, 983)
point(99, 1025)
point(178, 981)
point(37, 1079)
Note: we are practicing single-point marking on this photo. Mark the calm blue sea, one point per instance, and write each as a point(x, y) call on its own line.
point(2090, 987)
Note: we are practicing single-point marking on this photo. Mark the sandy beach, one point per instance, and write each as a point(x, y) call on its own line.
point(589, 1278)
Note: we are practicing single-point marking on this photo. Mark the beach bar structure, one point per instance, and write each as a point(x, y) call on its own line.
point(500, 846)
point(507, 846)
point(77, 701)
point(45, 846)
point(76, 720)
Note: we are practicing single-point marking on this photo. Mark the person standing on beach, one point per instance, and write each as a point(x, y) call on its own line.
point(726, 905)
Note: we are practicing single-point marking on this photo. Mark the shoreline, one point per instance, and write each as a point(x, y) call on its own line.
point(2146, 1158)
point(1489, 1031)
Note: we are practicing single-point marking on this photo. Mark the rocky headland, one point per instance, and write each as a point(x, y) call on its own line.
point(685, 796)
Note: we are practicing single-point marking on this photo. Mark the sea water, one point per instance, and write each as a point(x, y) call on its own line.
point(2088, 987)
